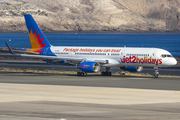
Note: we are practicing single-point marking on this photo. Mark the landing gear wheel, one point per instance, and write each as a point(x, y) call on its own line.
point(102, 73)
point(106, 73)
point(109, 73)
point(78, 74)
point(81, 74)
point(156, 73)
point(156, 76)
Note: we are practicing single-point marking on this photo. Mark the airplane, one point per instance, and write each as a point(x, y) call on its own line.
point(91, 59)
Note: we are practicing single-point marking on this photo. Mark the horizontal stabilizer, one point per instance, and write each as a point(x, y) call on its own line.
point(9, 49)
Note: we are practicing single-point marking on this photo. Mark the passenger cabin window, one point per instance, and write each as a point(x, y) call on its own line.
point(90, 53)
point(137, 54)
point(164, 55)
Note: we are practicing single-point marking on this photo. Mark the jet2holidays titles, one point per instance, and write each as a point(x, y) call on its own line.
point(130, 59)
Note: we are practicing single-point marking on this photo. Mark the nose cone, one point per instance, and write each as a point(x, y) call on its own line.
point(173, 61)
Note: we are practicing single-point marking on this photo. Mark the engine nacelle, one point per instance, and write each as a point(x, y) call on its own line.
point(132, 68)
point(89, 67)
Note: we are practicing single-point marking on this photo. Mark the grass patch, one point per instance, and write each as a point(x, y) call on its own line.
point(40, 70)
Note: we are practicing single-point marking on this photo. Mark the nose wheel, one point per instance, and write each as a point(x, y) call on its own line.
point(156, 72)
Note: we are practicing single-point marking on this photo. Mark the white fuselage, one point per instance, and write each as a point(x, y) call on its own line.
point(118, 56)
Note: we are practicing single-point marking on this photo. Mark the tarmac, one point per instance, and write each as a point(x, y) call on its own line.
point(36, 65)
point(42, 96)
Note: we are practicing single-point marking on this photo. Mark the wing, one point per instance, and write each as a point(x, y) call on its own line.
point(45, 57)
point(71, 59)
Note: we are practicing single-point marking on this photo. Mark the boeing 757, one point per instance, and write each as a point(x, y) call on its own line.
point(91, 59)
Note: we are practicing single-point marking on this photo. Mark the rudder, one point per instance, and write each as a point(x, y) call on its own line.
point(36, 36)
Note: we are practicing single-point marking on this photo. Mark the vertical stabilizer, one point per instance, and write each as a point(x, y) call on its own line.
point(36, 36)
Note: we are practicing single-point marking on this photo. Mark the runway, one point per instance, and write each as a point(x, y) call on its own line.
point(35, 65)
point(30, 96)
point(138, 82)
point(40, 96)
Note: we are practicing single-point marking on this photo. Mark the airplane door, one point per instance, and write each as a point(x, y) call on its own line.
point(122, 54)
point(154, 55)
point(70, 54)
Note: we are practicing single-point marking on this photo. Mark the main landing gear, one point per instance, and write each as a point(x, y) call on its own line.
point(156, 73)
point(106, 73)
point(81, 74)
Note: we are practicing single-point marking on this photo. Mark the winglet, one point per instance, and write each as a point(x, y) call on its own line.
point(141, 45)
point(9, 48)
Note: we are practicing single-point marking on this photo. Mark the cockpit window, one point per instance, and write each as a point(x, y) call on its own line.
point(164, 55)
point(169, 55)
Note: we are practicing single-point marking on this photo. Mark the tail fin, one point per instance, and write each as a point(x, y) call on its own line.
point(36, 36)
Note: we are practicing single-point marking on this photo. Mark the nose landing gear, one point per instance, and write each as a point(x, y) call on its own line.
point(156, 73)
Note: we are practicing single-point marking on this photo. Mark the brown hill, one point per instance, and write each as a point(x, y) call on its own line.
point(92, 15)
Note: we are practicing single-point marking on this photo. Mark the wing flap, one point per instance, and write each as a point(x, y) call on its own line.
point(102, 61)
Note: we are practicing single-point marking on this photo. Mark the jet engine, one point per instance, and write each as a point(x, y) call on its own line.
point(89, 67)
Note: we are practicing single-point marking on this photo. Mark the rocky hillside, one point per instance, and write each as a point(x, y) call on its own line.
point(92, 15)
